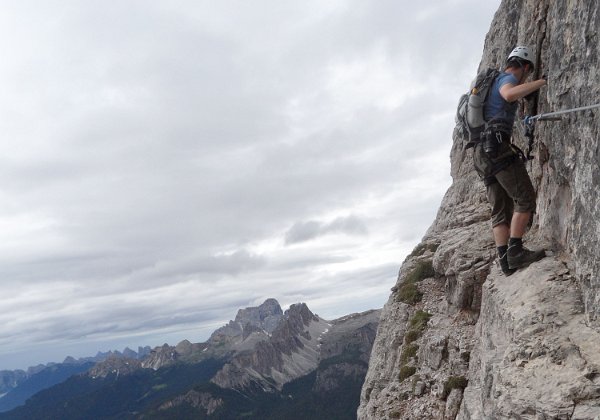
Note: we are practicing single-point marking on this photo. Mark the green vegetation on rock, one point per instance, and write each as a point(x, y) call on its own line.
point(417, 324)
point(408, 351)
point(422, 248)
point(419, 321)
point(411, 335)
point(454, 382)
point(406, 372)
point(409, 292)
point(422, 270)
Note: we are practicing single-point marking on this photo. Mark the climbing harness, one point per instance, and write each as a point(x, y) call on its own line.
point(529, 122)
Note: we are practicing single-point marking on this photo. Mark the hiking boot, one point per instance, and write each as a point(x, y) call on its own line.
point(519, 257)
point(503, 259)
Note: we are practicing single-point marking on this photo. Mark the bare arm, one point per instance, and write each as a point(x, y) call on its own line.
point(512, 93)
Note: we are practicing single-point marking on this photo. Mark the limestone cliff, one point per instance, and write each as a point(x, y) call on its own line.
point(458, 339)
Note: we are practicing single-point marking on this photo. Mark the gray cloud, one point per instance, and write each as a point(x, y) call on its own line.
point(165, 163)
point(305, 231)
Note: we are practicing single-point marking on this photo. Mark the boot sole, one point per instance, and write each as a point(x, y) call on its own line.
point(526, 263)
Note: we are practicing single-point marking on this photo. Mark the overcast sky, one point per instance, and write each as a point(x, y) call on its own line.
point(165, 163)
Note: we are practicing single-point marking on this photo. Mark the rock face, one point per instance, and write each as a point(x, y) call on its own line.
point(199, 400)
point(114, 366)
point(332, 377)
point(265, 318)
point(251, 326)
point(10, 379)
point(462, 340)
point(161, 356)
point(535, 354)
point(292, 351)
point(355, 332)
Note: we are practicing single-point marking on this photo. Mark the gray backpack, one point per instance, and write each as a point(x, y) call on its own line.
point(469, 114)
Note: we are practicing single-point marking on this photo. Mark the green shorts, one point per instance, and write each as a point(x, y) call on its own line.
point(512, 191)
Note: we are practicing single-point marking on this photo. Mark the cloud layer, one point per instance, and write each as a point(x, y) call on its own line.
point(165, 163)
point(305, 231)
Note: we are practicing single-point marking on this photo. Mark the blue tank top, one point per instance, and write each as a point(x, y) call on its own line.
point(496, 107)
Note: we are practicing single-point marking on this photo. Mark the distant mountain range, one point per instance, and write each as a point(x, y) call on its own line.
point(264, 364)
point(16, 386)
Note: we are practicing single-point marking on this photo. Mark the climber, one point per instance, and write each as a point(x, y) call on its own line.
point(501, 164)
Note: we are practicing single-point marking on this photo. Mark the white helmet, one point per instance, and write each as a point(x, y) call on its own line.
point(521, 53)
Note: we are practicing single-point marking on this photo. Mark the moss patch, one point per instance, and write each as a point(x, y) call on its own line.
point(422, 248)
point(408, 351)
point(422, 270)
point(454, 382)
point(417, 324)
point(411, 336)
point(406, 372)
point(409, 293)
point(419, 320)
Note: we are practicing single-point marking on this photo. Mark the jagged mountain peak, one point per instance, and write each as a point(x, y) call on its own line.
point(114, 365)
point(297, 346)
point(300, 309)
point(252, 325)
point(269, 307)
point(269, 360)
point(265, 316)
point(70, 360)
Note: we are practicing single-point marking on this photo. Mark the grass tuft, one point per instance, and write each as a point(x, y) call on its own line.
point(419, 320)
point(409, 292)
point(417, 324)
point(408, 351)
point(421, 248)
point(406, 372)
point(411, 336)
point(422, 270)
point(454, 382)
